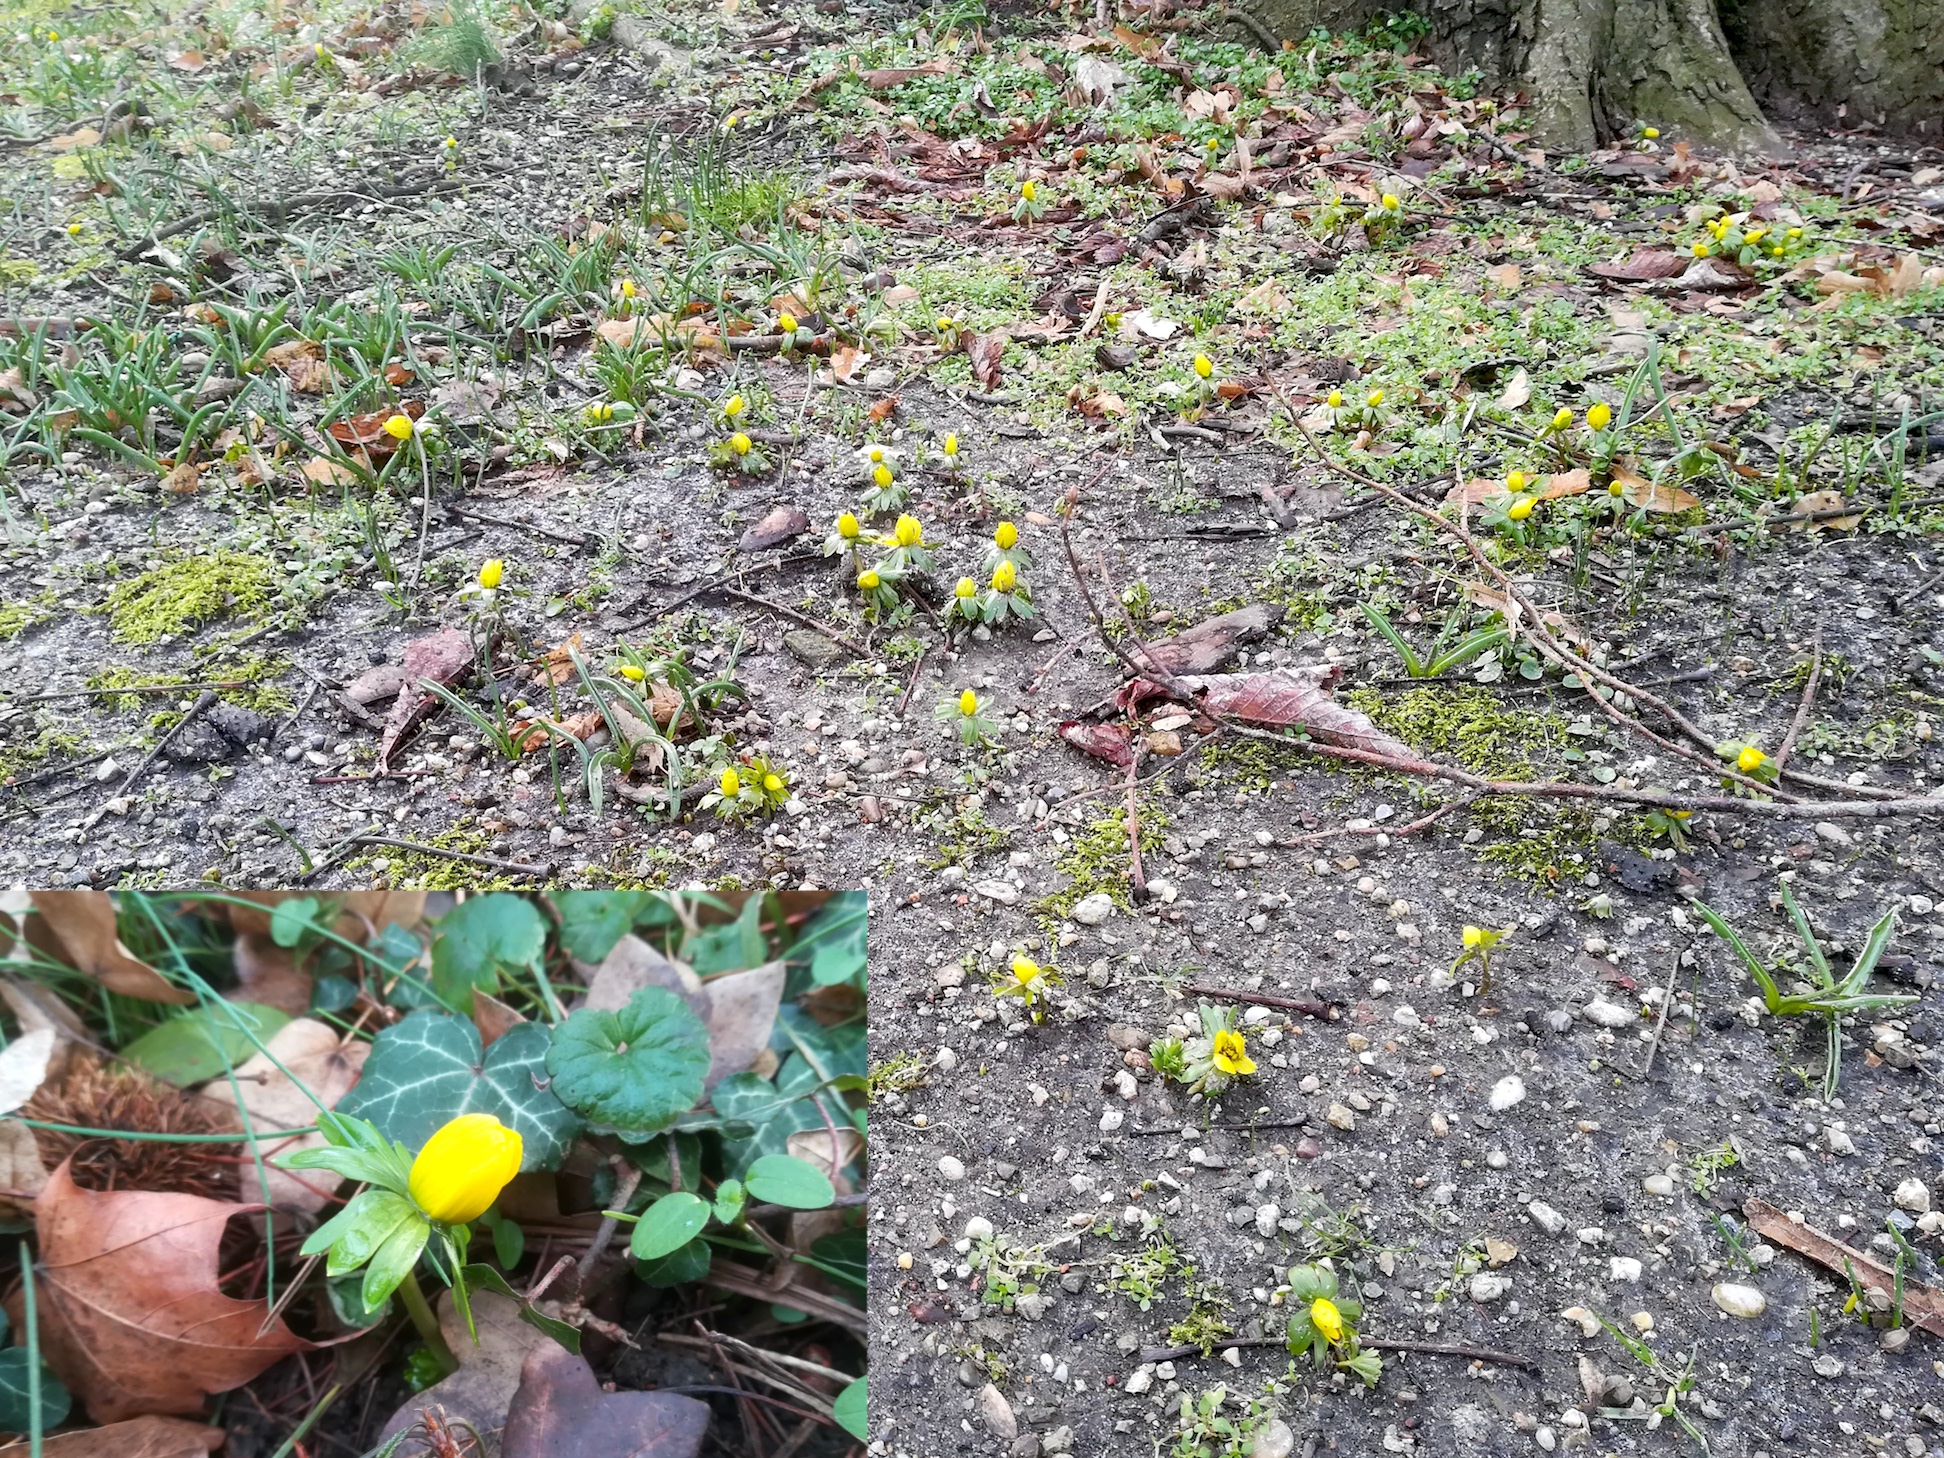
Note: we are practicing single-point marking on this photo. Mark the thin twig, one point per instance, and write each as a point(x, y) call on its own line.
point(1667, 1001)
point(196, 710)
point(1307, 1005)
point(1801, 720)
point(132, 688)
point(626, 1180)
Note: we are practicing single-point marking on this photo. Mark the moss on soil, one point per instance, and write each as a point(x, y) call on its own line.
point(187, 591)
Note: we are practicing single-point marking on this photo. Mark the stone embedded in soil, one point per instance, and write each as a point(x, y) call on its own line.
point(1913, 1195)
point(1486, 1287)
point(1742, 1301)
point(1141, 1379)
point(1588, 1323)
point(1003, 892)
point(1545, 1217)
point(1606, 1014)
point(1658, 1184)
point(1093, 910)
point(1623, 1268)
point(1341, 1117)
point(1273, 1440)
point(951, 1167)
point(1507, 1092)
point(997, 1413)
point(816, 652)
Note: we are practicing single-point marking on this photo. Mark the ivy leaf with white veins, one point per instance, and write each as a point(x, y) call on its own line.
point(632, 1072)
point(431, 1068)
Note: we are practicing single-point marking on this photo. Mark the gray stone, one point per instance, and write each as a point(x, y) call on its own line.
point(813, 650)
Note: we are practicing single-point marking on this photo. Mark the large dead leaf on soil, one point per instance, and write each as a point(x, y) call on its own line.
point(269, 974)
point(1212, 643)
point(489, 1370)
point(302, 363)
point(783, 524)
point(1646, 263)
point(1111, 742)
point(143, 1437)
point(368, 433)
point(1813, 502)
point(328, 1065)
point(560, 1407)
point(1923, 1305)
point(443, 657)
point(131, 1318)
point(1276, 699)
point(1638, 491)
point(78, 928)
point(985, 351)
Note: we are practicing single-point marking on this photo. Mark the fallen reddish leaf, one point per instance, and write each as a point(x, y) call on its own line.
point(558, 666)
point(561, 1408)
point(1212, 644)
point(269, 974)
point(131, 1318)
point(883, 410)
point(143, 1437)
point(1111, 742)
point(1646, 263)
point(891, 77)
point(1639, 491)
point(77, 929)
point(444, 657)
point(538, 736)
point(1277, 698)
point(367, 432)
point(1566, 483)
point(985, 351)
point(784, 524)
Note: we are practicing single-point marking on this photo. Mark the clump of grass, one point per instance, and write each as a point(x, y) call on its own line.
point(462, 45)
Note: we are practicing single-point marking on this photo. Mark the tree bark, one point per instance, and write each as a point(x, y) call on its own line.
point(1595, 70)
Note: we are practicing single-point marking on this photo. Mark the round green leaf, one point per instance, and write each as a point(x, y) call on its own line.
point(429, 1068)
point(632, 1072)
point(16, 1406)
point(849, 1409)
point(480, 938)
point(783, 1179)
point(203, 1042)
point(668, 1225)
point(678, 1268)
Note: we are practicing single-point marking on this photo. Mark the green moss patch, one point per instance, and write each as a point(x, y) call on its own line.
point(189, 591)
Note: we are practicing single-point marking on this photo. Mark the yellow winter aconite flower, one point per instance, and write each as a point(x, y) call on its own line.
point(1700, 250)
point(968, 703)
point(1562, 418)
point(490, 573)
point(1474, 936)
point(875, 455)
point(1026, 971)
point(451, 144)
point(1391, 204)
point(1615, 488)
point(1325, 1317)
point(730, 784)
point(1599, 416)
point(966, 590)
point(944, 324)
point(1516, 481)
point(1005, 536)
point(632, 672)
point(1028, 190)
point(1004, 577)
point(463, 1167)
point(847, 527)
point(399, 427)
point(773, 783)
point(882, 475)
point(733, 406)
point(627, 288)
point(74, 230)
point(1750, 759)
point(908, 532)
point(1520, 509)
point(740, 443)
point(1204, 366)
point(786, 323)
point(950, 446)
point(1374, 399)
point(868, 580)
point(1652, 134)
point(1336, 399)
point(1231, 1054)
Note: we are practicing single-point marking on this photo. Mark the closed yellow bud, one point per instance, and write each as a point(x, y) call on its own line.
point(399, 427)
point(1028, 190)
point(786, 323)
point(1391, 204)
point(908, 532)
point(1520, 509)
point(868, 580)
point(1599, 417)
point(733, 406)
point(1516, 481)
point(847, 527)
point(1562, 418)
point(739, 443)
point(1750, 759)
point(1004, 577)
point(968, 703)
point(1325, 1317)
point(1204, 366)
point(1700, 250)
point(966, 589)
point(627, 288)
point(632, 672)
point(1374, 399)
point(882, 475)
point(1650, 133)
point(773, 783)
point(1336, 399)
point(463, 1168)
point(951, 444)
point(490, 573)
point(730, 784)
point(1474, 935)
point(1025, 970)
point(1615, 488)
point(1005, 536)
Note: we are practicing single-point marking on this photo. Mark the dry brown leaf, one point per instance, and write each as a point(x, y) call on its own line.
point(1639, 492)
point(131, 1318)
point(324, 1062)
point(183, 478)
point(1923, 1305)
point(985, 352)
point(69, 141)
point(143, 1437)
point(493, 1018)
point(322, 471)
point(1477, 491)
point(1517, 390)
point(1507, 278)
point(845, 360)
point(558, 666)
point(443, 657)
point(561, 1407)
point(269, 974)
point(78, 928)
point(22, 1175)
point(1818, 501)
point(489, 1368)
point(1565, 483)
point(882, 410)
point(741, 1016)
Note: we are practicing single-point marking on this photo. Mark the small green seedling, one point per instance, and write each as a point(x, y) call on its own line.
point(1442, 659)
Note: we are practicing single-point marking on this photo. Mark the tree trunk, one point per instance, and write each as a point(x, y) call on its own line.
point(1594, 70)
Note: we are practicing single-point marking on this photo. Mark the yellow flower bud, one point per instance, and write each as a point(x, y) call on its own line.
point(875, 455)
point(1028, 190)
point(1005, 536)
point(1614, 488)
point(1750, 759)
point(1599, 416)
point(1325, 1317)
point(739, 443)
point(950, 446)
point(944, 324)
point(399, 427)
point(1520, 509)
point(1025, 970)
point(733, 406)
point(1516, 481)
point(1650, 133)
point(627, 288)
point(1562, 418)
point(908, 532)
point(1004, 576)
point(463, 1167)
point(882, 475)
point(786, 323)
point(730, 784)
point(773, 783)
point(868, 580)
point(1391, 204)
point(847, 527)
point(632, 672)
point(1701, 250)
point(1204, 366)
point(966, 589)
point(1336, 399)
point(490, 573)
point(968, 703)
point(1474, 935)
point(1374, 399)
point(452, 144)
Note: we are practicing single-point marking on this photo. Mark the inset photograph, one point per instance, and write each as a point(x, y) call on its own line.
point(440, 1175)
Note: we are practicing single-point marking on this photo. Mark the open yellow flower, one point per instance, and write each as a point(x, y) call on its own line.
point(463, 1167)
point(490, 573)
point(730, 784)
point(773, 783)
point(1004, 577)
point(968, 703)
point(1750, 759)
point(1026, 971)
point(1006, 536)
point(1325, 1317)
point(1231, 1054)
point(908, 532)
point(1599, 417)
point(399, 427)
point(786, 323)
point(1474, 936)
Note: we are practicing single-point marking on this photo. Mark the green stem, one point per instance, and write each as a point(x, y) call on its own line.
point(156, 1138)
point(32, 1322)
point(426, 1322)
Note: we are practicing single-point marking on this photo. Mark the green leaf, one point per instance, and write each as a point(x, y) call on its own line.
point(16, 1401)
point(347, 1302)
point(481, 938)
point(634, 1072)
point(429, 1069)
point(841, 1256)
point(380, 1215)
point(566, 1333)
point(833, 940)
point(292, 921)
point(850, 1409)
point(591, 922)
point(678, 1267)
point(202, 1043)
point(509, 1239)
point(783, 1179)
point(356, 1151)
point(332, 993)
point(777, 1110)
point(394, 1260)
point(729, 948)
point(668, 1225)
point(729, 1201)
